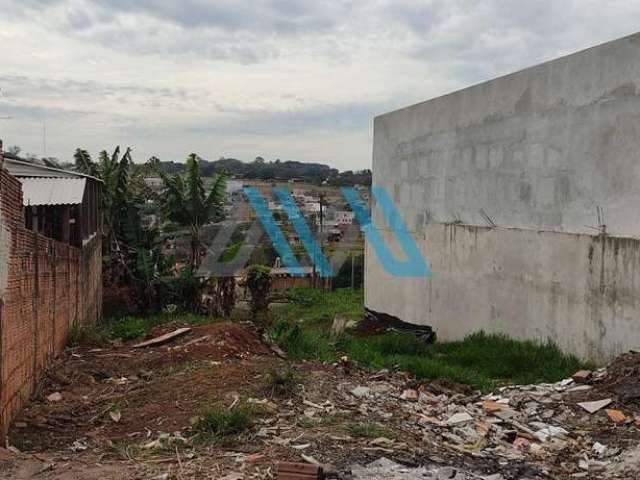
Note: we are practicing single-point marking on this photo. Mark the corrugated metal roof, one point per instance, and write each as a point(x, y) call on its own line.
point(20, 168)
point(52, 191)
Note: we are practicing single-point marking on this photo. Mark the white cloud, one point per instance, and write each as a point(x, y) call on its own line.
point(280, 78)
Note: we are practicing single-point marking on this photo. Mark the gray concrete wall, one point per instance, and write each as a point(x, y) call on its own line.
point(538, 152)
point(580, 291)
point(541, 148)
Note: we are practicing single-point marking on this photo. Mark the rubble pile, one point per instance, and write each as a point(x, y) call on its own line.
point(561, 430)
point(350, 423)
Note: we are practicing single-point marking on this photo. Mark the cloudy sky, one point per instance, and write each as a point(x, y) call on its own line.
point(289, 79)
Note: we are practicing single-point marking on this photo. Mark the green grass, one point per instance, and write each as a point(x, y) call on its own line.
point(320, 307)
point(131, 328)
point(481, 360)
point(220, 426)
point(368, 430)
point(282, 382)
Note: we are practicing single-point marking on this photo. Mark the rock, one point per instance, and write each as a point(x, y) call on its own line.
point(55, 397)
point(409, 395)
point(521, 443)
point(459, 418)
point(547, 432)
point(447, 473)
point(361, 392)
point(599, 449)
point(582, 376)
point(381, 441)
point(616, 416)
point(593, 407)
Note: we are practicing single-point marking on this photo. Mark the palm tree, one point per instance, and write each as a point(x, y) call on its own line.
point(186, 203)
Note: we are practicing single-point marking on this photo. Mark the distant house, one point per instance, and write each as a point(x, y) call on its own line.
point(344, 217)
point(284, 278)
point(58, 204)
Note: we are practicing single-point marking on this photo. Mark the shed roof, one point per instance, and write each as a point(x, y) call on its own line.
point(21, 168)
point(52, 191)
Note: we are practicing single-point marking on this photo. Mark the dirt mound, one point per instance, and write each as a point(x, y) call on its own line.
point(157, 388)
point(622, 379)
point(220, 341)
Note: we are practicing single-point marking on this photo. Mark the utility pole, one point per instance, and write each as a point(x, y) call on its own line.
point(321, 229)
point(353, 278)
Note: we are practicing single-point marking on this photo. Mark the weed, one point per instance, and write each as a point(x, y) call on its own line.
point(368, 430)
point(481, 360)
point(132, 328)
point(89, 335)
point(186, 367)
point(282, 382)
point(220, 426)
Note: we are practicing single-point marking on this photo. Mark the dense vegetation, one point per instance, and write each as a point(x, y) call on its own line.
point(260, 169)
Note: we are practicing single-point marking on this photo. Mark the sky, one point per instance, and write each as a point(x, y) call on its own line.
point(289, 79)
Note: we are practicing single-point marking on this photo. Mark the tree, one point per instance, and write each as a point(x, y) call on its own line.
point(259, 285)
point(132, 253)
point(186, 203)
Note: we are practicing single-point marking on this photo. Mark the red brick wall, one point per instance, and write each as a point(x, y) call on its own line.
point(47, 288)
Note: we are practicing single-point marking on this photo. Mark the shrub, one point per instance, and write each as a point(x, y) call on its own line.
point(220, 426)
point(259, 284)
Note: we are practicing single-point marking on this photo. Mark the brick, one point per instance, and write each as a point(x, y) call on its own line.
point(50, 287)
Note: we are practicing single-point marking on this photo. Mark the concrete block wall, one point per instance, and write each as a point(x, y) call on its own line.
point(46, 288)
point(538, 153)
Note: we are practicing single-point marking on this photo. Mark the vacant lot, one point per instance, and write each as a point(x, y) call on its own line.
point(220, 402)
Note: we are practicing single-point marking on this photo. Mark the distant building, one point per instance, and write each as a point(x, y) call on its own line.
point(58, 204)
point(344, 217)
point(50, 270)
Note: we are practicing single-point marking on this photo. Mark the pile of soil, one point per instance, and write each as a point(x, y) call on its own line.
point(155, 389)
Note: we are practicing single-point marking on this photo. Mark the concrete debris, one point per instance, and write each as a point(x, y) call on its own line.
point(55, 397)
point(385, 469)
point(459, 418)
point(593, 407)
point(361, 392)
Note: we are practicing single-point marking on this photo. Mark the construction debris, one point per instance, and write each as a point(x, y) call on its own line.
point(299, 471)
point(582, 376)
point(593, 407)
point(381, 425)
point(163, 338)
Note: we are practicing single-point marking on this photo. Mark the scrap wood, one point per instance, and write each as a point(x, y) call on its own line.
point(163, 338)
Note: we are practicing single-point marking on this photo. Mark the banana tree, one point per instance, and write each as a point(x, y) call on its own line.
point(186, 203)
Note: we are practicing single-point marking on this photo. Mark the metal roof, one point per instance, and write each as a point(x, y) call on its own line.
point(20, 168)
point(52, 191)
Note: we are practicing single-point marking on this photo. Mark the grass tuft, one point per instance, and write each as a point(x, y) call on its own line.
point(282, 382)
point(221, 426)
point(368, 430)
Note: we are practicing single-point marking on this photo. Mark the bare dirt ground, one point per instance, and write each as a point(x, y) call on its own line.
point(127, 413)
